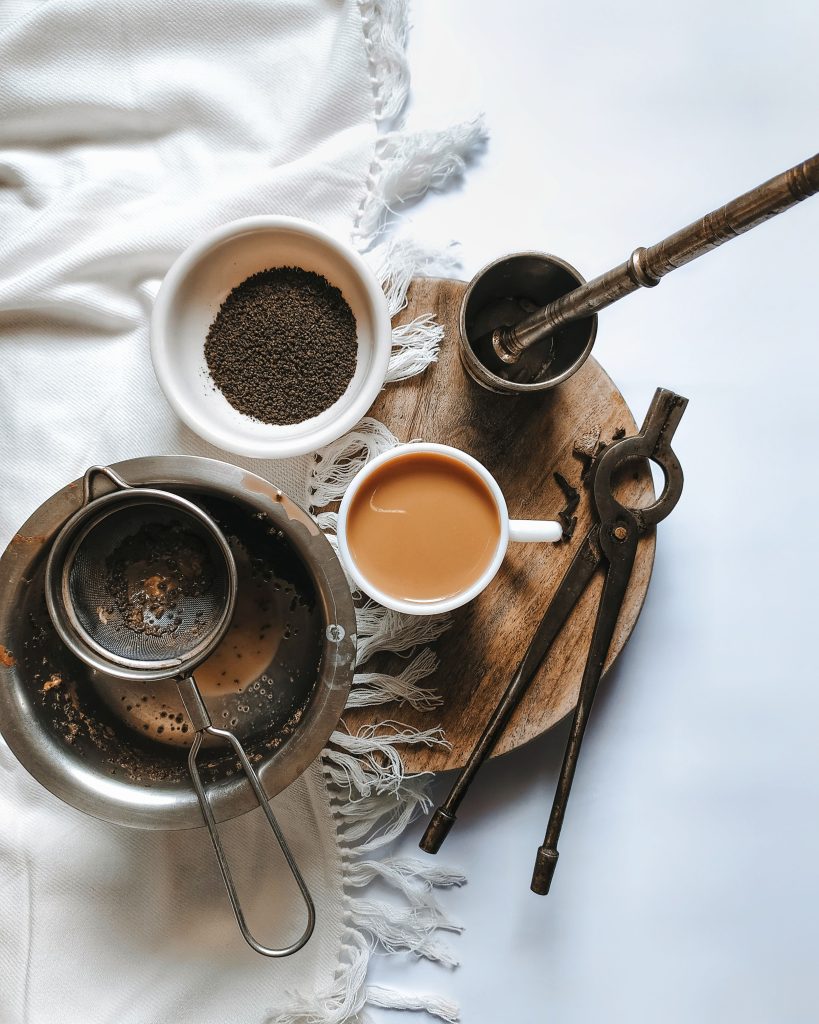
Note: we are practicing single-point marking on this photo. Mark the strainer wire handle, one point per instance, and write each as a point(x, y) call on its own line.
point(200, 718)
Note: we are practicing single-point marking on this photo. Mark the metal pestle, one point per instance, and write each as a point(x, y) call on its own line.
point(646, 267)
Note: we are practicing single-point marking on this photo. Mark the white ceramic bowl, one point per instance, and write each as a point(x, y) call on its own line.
point(198, 283)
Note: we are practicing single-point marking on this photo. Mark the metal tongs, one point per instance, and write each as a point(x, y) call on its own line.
point(611, 543)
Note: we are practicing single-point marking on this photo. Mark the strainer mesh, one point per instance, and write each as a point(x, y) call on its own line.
point(147, 582)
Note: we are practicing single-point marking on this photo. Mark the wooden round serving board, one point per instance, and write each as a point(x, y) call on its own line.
point(523, 440)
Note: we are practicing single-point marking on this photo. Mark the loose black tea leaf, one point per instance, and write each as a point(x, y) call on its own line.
point(150, 572)
point(282, 348)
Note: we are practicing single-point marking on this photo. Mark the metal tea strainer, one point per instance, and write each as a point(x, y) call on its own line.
point(141, 585)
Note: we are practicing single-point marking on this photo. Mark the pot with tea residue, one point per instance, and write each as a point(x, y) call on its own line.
point(118, 748)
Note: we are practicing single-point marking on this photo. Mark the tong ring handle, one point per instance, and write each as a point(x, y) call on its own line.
point(652, 442)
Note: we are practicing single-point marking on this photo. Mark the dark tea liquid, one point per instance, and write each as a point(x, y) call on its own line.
point(423, 527)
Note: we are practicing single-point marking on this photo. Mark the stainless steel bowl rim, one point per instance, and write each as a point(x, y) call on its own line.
point(151, 806)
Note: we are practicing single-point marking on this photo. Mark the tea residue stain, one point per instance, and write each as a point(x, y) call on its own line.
point(150, 573)
point(29, 539)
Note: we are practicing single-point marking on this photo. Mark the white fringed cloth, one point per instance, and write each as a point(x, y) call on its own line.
point(126, 130)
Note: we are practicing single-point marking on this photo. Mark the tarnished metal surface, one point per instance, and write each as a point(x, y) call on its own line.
point(120, 754)
point(612, 543)
point(645, 268)
point(505, 292)
point(73, 598)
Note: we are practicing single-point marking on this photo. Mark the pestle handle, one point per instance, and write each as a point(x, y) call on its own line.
point(645, 268)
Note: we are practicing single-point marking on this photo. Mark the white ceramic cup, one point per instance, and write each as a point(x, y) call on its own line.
point(510, 530)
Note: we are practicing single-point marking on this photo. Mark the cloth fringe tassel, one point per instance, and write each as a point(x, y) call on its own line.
point(338, 462)
point(415, 344)
point(349, 1004)
point(407, 165)
point(368, 762)
point(413, 925)
point(392, 1000)
point(370, 688)
point(404, 167)
point(373, 797)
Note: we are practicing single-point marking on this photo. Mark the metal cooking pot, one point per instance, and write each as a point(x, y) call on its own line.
point(117, 749)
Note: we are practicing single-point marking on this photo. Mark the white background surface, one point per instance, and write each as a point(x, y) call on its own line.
point(687, 885)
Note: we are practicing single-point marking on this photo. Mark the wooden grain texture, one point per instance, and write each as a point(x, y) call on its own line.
point(523, 440)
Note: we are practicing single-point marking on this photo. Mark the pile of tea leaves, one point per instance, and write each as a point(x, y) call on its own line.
point(283, 346)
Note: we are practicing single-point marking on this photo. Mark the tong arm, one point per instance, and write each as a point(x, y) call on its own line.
point(618, 545)
point(580, 571)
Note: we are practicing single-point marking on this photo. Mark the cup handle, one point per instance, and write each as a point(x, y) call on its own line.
point(535, 530)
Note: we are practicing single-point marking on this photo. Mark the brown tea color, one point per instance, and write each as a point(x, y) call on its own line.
point(423, 527)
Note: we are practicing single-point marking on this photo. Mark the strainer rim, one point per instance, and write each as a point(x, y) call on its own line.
point(76, 638)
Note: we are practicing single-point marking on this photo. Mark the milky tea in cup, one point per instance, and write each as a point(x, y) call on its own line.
point(424, 528)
